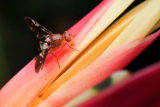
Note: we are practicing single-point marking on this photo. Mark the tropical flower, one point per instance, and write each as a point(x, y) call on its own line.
point(104, 47)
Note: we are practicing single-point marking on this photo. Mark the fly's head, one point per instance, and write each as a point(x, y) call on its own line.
point(68, 37)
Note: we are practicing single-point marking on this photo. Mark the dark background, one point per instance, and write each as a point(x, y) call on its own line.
point(18, 44)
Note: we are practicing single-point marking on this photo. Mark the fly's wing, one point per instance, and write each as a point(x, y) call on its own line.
point(38, 29)
point(40, 60)
point(38, 51)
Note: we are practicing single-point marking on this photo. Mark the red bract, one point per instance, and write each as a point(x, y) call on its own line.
point(140, 90)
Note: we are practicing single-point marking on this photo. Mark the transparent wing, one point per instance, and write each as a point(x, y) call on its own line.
point(38, 29)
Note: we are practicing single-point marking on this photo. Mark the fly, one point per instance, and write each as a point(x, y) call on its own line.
point(50, 42)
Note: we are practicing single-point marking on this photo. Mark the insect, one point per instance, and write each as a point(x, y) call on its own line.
point(49, 42)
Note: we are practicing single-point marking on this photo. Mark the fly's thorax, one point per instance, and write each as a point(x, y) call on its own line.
point(56, 37)
point(56, 40)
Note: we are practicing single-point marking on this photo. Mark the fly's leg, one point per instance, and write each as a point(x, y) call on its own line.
point(71, 47)
point(56, 58)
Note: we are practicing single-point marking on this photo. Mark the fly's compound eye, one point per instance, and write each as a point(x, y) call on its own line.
point(67, 36)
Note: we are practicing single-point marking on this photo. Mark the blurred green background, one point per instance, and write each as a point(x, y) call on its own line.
point(18, 43)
